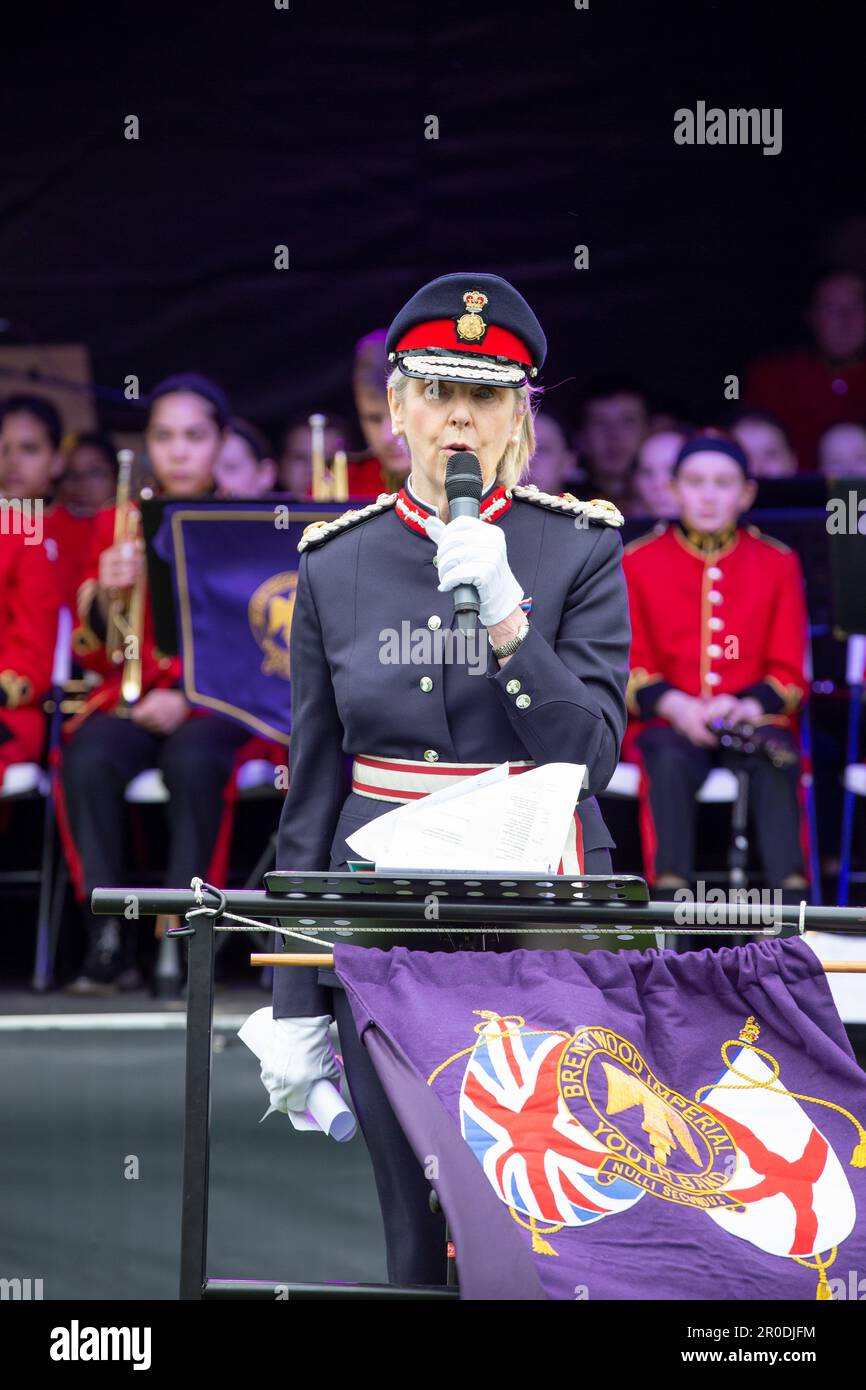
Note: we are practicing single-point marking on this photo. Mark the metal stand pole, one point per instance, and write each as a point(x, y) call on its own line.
point(738, 854)
point(196, 1154)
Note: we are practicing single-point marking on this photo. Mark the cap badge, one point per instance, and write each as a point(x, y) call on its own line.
point(470, 326)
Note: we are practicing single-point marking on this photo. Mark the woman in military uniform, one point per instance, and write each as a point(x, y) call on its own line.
point(548, 685)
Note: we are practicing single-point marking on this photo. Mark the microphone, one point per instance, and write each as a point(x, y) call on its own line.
point(463, 490)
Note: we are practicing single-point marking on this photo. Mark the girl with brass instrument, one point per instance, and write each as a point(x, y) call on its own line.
point(138, 716)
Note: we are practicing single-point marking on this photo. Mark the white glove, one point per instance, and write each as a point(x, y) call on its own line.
point(295, 1053)
point(471, 551)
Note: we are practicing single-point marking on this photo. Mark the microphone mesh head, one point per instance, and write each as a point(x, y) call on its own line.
point(463, 476)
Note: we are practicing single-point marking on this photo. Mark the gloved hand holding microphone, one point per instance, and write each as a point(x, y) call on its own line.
point(470, 553)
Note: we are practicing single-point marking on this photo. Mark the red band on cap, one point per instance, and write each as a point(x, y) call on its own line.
point(442, 333)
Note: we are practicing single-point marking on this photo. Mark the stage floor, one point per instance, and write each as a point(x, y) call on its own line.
point(90, 1166)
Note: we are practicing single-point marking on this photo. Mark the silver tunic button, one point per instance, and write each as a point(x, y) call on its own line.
point(712, 678)
point(716, 624)
point(714, 572)
point(425, 683)
point(434, 622)
point(430, 755)
point(714, 596)
point(714, 650)
point(523, 701)
point(512, 687)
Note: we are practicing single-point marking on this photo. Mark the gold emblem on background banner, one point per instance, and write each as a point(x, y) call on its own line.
point(270, 612)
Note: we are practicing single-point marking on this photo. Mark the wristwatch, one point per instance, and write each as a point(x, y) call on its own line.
point(510, 647)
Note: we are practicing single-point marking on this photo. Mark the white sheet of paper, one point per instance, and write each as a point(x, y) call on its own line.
point(489, 823)
point(378, 834)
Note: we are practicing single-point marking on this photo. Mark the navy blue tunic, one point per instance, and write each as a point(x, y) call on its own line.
point(376, 575)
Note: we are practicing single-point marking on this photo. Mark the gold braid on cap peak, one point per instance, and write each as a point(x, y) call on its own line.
point(319, 531)
point(597, 509)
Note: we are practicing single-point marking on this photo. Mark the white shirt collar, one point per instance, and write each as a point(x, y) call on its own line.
point(428, 506)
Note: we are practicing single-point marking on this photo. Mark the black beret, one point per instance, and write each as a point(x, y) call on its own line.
point(711, 442)
point(468, 327)
point(199, 386)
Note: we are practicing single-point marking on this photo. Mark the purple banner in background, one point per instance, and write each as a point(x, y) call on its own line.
point(234, 568)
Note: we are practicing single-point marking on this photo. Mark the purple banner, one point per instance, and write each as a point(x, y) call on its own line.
point(628, 1125)
point(234, 567)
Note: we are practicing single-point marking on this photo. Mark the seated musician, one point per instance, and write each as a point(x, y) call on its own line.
point(384, 465)
point(31, 469)
point(110, 741)
point(719, 631)
point(29, 600)
point(246, 466)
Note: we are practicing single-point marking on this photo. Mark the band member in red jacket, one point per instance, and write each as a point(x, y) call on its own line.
point(719, 631)
point(385, 464)
point(108, 742)
point(31, 467)
point(29, 600)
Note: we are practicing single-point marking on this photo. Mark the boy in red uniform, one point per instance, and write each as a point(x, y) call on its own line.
point(719, 630)
point(385, 465)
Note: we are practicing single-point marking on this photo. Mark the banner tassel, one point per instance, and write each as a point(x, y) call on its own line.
point(823, 1293)
point(540, 1246)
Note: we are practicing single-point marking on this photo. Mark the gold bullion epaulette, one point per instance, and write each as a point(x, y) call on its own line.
point(319, 531)
point(760, 535)
point(640, 541)
point(595, 510)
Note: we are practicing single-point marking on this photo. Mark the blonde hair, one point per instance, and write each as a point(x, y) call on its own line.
point(514, 463)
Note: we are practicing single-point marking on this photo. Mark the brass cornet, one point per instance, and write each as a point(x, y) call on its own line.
point(333, 485)
point(125, 620)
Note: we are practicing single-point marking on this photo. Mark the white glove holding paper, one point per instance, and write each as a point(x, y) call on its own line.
point(299, 1068)
point(471, 551)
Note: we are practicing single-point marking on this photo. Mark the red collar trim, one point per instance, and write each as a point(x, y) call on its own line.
point(413, 515)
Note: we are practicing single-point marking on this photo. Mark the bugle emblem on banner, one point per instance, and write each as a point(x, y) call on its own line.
point(270, 614)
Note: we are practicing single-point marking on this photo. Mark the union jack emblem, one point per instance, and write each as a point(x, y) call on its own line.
point(539, 1159)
